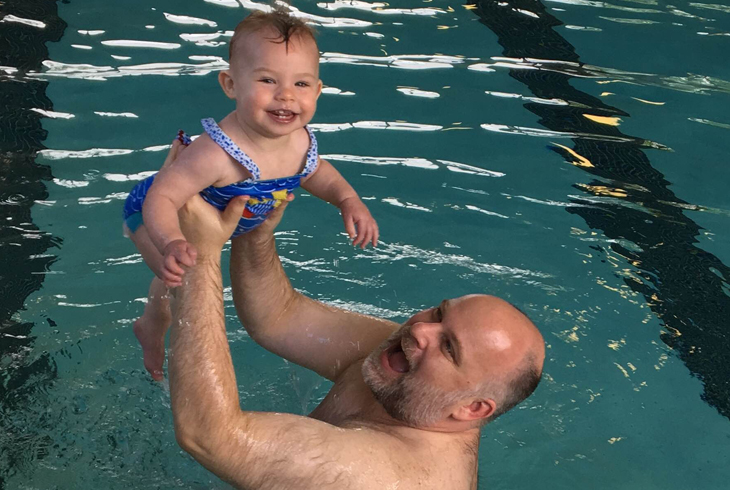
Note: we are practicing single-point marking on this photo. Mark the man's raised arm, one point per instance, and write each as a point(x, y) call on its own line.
point(254, 451)
point(322, 338)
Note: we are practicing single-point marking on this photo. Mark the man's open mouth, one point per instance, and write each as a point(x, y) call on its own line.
point(397, 359)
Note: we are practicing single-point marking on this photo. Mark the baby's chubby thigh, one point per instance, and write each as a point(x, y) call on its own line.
point(141, 239)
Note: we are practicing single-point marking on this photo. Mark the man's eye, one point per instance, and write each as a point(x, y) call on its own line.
point(437, 314)
point(449, 348)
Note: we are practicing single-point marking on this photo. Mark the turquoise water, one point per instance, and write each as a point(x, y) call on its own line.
point(472, 148)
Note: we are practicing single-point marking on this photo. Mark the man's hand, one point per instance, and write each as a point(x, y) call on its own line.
point(266, 229)
point(359, 223)
point(177, 253)
point(205, 227)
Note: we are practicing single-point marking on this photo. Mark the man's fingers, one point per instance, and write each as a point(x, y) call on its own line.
point(376, 235)
point(192, 253)
point(234, 210)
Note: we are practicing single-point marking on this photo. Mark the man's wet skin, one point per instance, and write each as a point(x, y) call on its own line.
point(408, 401)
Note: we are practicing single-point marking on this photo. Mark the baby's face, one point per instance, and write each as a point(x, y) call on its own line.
point(275, 87)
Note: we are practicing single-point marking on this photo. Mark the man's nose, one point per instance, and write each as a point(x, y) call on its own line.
point(424, 333)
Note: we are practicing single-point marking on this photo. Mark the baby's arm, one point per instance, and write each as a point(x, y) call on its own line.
point(195, 169)
point(329, 185)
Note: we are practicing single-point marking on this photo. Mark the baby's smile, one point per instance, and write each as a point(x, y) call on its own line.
point(282, 115)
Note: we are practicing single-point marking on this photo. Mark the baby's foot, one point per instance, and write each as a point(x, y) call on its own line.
point(153, 347)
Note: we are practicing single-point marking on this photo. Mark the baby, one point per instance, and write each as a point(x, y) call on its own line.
point(274, 79)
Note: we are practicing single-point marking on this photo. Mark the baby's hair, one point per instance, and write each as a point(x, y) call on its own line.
point(279, 19)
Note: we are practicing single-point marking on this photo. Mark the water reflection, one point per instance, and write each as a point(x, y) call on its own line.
point(23, 258)
point(685, 286)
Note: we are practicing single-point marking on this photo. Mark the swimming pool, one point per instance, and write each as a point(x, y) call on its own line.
point(568, 155)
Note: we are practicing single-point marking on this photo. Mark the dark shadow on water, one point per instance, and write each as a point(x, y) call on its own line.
point(24, 249)
point(683, 284)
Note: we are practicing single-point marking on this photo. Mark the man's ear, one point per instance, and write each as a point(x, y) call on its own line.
point(475, 410)
point(226, 81)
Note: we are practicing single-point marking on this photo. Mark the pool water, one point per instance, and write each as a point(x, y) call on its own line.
point(569, 155)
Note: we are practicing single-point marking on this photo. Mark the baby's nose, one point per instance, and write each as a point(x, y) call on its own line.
point(286, 93)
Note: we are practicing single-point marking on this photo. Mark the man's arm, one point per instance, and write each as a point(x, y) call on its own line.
point(319, 337)
point(251, 450)
point(322, 338)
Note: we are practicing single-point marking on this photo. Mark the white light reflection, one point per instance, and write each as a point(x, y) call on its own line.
point(387, 252)
point(336, 91)
point(414, 162)
point(544, 133)
point(397, 126)
point(469, 169)
point(408, 205)
point(117, 114)
point(71, 184)
point(407, 61)
point(187, 20)
point(537, 100)
point(368, 160)
point(93, 72)
point(91, 153)
point(128, 177)
point(130, 43)
point(419, 93)
point(52, 114)
point(484, 211)
point(378, 8)
point(21, 20)
point(295, 12)
point(223, 3)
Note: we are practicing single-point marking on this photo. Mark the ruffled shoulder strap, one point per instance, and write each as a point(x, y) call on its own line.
point(222, 139)
point(312, 155)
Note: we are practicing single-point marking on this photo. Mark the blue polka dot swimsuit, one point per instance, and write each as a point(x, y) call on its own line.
point(265, 195)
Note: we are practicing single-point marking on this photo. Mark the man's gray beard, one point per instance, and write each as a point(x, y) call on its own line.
point(409, 400)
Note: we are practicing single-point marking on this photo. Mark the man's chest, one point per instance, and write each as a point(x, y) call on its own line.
point(347, 400)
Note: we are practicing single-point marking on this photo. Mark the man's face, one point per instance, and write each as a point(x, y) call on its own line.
point(435, 361)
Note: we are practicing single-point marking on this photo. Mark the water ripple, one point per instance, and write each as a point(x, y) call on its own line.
point(546, 133)
point(187, 20)
point(378, 8)
point(393, 252)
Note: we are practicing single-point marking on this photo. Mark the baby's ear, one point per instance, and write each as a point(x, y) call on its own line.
point(319, 88)
point(227, 84)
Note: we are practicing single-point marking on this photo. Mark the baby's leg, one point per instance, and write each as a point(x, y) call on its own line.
point(151, 327)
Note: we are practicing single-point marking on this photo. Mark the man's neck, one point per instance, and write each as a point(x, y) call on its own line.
point(350, 404)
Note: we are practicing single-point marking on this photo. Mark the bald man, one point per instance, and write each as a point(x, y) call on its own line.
point(408, 401)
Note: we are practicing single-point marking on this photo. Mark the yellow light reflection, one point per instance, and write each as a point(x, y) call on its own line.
point(581, 160)
point(607, 120)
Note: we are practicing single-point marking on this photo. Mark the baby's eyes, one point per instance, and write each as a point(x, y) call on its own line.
point(302, 84)
point(266, 80)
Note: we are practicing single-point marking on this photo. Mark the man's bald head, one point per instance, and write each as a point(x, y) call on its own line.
point(516, 342)
point(467, 361)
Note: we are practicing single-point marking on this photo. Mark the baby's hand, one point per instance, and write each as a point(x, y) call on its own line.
point(359, 223)
point(177, 253)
